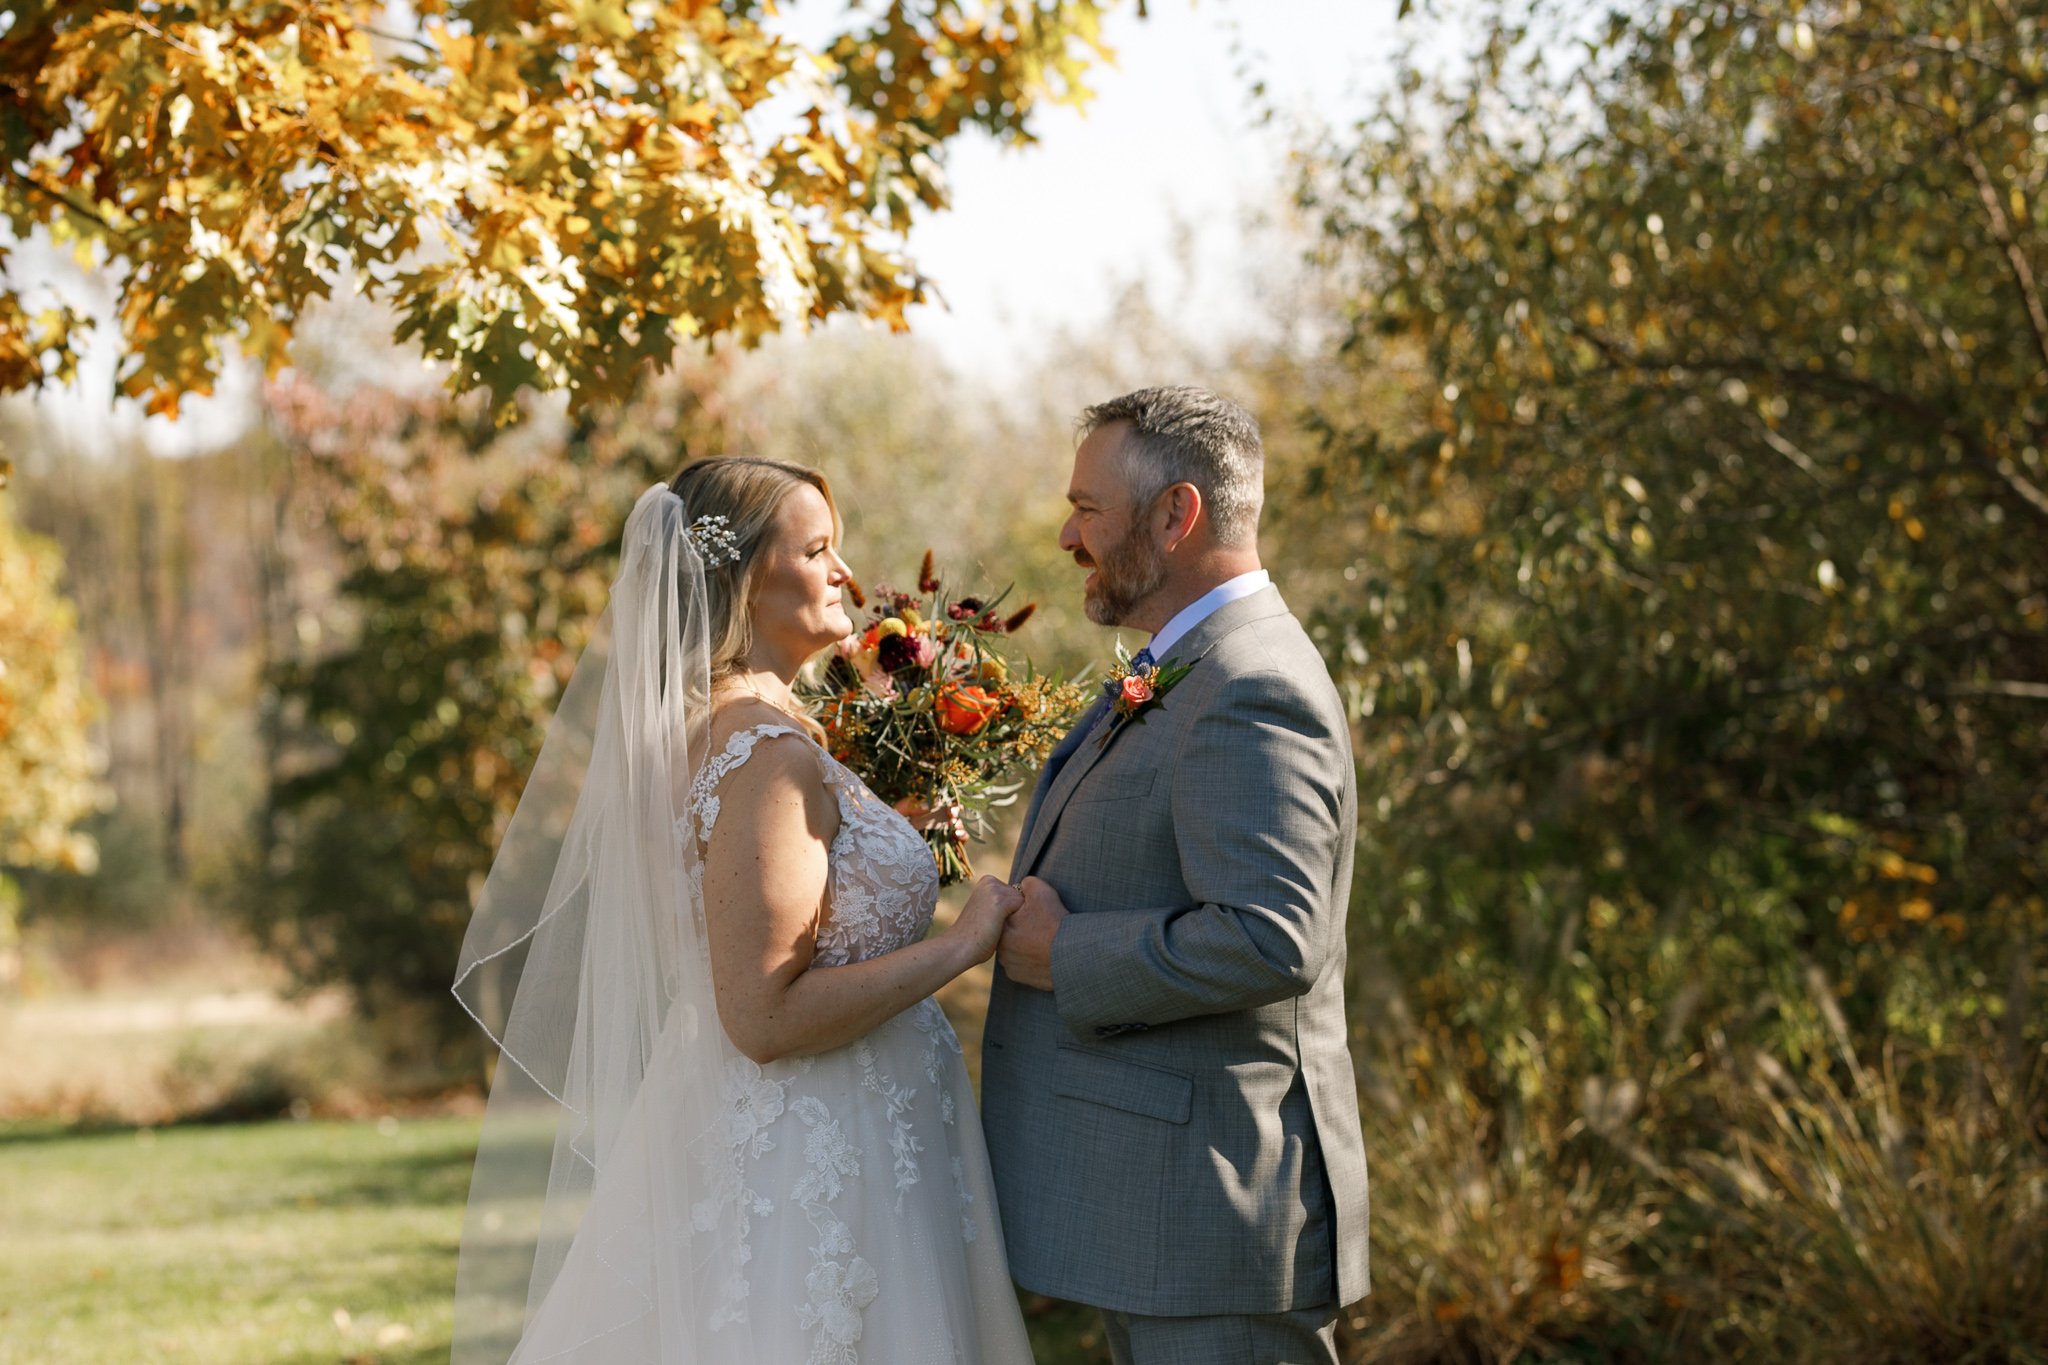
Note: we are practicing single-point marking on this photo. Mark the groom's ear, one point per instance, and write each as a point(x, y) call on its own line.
point(1182, 510)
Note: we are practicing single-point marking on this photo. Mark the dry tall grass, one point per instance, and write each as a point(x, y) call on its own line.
point(1513, 1230)
point(1877, 1223)
point(1709, 1212)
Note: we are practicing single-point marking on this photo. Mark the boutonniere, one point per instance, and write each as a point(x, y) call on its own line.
point(1134, 689)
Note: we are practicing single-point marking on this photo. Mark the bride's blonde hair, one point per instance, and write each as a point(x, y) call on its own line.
point(747, 491)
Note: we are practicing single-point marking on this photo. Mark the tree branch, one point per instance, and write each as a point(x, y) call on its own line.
point(1998, 687)
point(1824, 380)
point(1484, 761)
point(1924, 46)
point(60, 197)
point(2015, 258)
point(1796, 377)
point(1798, 457)
point(2028, 491)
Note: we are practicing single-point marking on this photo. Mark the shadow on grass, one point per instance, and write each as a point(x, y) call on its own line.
point(1063, 1333)
point(27, 1132)
point(398, 1178)
point(433, 1351)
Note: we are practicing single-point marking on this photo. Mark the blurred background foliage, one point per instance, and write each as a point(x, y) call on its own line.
point(1655, 404)
point(48, 772)
point(1699, 648)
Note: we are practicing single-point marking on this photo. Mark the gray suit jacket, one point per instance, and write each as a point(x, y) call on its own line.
point(1174, 1129)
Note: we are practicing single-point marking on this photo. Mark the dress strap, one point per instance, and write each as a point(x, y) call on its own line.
point(739, 747)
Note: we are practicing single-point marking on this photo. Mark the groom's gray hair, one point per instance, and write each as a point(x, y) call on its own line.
point(1183, 434)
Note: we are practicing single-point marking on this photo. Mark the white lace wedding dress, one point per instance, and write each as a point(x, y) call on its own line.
point(857, 1177)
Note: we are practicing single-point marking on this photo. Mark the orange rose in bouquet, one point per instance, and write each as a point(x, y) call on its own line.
point(966, 710)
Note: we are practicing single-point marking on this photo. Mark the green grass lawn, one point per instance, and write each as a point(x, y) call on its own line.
point(280, 1242)
point(273, 1243)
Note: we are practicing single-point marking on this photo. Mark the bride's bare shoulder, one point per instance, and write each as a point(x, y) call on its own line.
point(733, 715)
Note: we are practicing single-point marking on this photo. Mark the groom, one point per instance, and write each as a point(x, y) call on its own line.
point(1166, 1088)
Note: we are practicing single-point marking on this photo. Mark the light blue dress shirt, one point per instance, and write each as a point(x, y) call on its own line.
point(1199, 610)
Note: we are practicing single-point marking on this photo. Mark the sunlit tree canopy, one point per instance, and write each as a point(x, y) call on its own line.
point(547, 192)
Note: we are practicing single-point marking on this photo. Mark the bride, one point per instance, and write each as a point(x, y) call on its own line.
point(729, 1124)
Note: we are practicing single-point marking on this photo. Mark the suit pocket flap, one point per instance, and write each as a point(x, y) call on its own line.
point(1135, 1088)
point(1101, 786)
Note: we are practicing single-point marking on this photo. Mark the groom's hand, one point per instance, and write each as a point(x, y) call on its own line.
point(1026, 949)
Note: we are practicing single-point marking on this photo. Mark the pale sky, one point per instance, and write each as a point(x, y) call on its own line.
point(1038, 236)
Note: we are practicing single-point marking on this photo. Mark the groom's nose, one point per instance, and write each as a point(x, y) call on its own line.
point(1070, 536)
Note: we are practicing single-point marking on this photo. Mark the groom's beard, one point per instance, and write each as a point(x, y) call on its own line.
point(1128, 573)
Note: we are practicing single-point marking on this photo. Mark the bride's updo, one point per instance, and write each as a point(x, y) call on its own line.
point(747, 491)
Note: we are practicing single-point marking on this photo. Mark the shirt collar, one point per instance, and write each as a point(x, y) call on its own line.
point(1205, 606)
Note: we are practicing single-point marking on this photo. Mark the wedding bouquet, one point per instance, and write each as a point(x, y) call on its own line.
point(924, 706)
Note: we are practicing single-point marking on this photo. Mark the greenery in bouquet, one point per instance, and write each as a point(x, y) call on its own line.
point(925, 705)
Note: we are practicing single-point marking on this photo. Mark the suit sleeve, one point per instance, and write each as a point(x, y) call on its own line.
point(1258, 796)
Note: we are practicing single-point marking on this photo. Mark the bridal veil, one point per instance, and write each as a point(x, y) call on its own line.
point(586, 962)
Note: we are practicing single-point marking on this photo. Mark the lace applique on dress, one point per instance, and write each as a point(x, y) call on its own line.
point(757, 1103)
point(968, 1228)
point(903, 1141)
point(884, 883)
point(841, 1283)
point(703, 803)
point(929, 1018)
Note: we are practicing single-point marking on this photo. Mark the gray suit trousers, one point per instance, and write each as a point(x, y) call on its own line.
point(1305, 1338)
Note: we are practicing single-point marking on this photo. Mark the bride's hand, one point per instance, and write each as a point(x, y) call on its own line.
point(988, 908)
point(951, 817)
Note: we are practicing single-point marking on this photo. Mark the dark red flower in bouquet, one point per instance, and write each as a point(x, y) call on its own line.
point(966, 609)
point(896, 652)
point(966, 710)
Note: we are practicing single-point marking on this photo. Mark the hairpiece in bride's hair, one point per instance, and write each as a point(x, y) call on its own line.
point(714, 543)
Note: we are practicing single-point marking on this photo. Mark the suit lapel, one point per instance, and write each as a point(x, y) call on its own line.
point(1076, 756)
point(1055, 763)
point(1062, 786)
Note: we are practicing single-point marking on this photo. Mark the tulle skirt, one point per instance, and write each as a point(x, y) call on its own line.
point(859, 1186)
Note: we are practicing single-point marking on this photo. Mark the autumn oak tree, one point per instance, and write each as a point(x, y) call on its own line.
point(547, 192)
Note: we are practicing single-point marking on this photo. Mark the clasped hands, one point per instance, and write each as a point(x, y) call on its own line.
point(1014, 924)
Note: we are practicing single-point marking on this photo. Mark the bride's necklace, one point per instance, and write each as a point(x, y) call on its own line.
point(745, 683)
